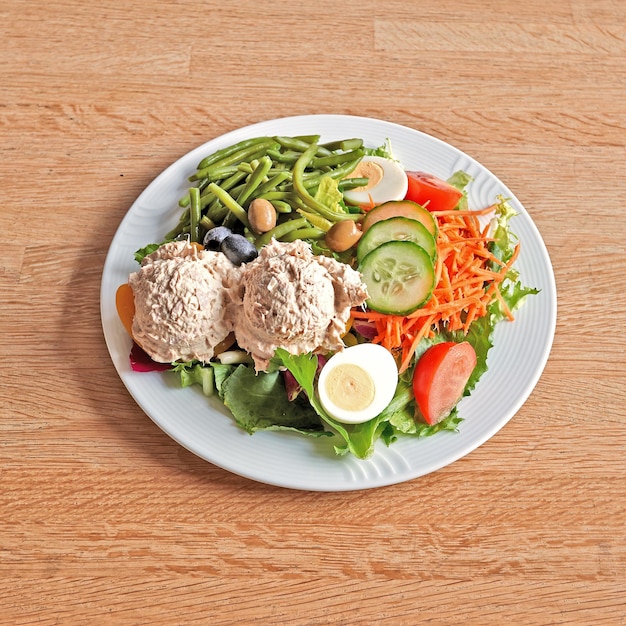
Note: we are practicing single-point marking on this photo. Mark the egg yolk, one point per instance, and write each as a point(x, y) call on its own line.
point(350, 387)
point(368, 169)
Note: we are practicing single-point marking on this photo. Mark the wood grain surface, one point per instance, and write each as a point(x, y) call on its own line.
point(106, 520)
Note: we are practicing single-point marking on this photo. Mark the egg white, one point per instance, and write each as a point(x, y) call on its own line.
point(393, 185)
point(381, 367)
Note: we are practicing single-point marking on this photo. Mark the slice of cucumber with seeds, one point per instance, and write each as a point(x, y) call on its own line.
point(396, 229)
point(399, 275)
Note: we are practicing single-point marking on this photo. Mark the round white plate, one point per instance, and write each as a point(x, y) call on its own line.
point(204, 426)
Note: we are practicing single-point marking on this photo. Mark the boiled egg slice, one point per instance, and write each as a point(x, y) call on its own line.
point(387, 181)
point(356, 384)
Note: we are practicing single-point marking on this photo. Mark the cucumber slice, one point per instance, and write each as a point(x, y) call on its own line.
point(396, 229)
point(401, 208)
point(400, 277)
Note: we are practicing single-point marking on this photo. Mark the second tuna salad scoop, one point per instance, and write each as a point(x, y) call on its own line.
point(292, 299)
point(181, 294)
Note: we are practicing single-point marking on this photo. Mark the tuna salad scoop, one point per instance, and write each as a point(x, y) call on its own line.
point(292, 299)
point(181, 294)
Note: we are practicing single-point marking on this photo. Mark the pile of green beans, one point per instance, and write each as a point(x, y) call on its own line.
point(286, 171)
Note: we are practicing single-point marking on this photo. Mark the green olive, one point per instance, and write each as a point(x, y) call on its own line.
point(261, 215)
point(343, 235)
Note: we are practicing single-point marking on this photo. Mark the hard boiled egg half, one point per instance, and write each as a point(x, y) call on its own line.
point(387, 181)
point(356, 384)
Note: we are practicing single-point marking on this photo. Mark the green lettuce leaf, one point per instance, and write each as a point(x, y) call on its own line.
point(406, 424)
point(461, 180)
point(221, 373)
point(329, 195)
point(258, 401)
point(383, 150)
point(503, 246)
point(504, 240)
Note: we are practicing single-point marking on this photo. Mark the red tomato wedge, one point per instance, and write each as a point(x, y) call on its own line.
point(431, 192)
point(440, 377)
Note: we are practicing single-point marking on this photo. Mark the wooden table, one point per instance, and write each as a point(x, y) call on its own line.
point(104, 518)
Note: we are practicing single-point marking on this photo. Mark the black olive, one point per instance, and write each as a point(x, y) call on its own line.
point(238, 249)
point(214, 237)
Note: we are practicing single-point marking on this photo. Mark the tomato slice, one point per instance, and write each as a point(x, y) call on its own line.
point(440, 377)
point(431, 192)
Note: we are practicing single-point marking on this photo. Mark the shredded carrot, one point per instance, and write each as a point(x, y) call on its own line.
point(468, 278)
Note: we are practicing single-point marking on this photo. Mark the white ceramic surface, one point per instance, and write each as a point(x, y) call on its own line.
point(204, 427)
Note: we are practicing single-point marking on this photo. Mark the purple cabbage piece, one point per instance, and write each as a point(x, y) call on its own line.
point(365, 329)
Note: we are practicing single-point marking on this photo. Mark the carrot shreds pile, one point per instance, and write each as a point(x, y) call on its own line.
point(466, 284)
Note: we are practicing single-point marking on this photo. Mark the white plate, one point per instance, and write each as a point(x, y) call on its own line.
point(285, 459)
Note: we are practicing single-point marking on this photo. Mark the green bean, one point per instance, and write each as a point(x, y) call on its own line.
point(194, 213)
point(305, 196)
point(308, 138)
point(207, 197)
point(236, 190)
point(280, 230)
point(300, 145)
point(254, 151)
point(304, 233)
point(245, 168)
point(255, 179)
point(291, 156)
point(230, 182)
point(281, 206)
point(343, 170)
point(230, 203)
point(213, 173)
point(229, 220)
point(206, 223)
point(184, 201)
point(226, 152)
point(178, 229)
point(352, 183)
point(216, 211)
point(272, 183)
point(317, 220)
point(310, 180)
point(300, 205)
point(344, 145)
point(276, 195)
point(337, 159)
